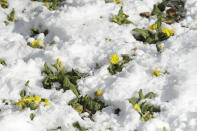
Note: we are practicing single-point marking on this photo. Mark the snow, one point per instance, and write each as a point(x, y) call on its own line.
point(80, 35)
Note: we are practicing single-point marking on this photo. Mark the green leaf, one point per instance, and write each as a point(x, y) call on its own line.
point(78, 108)
point(6, 22)
point(125, 58)
point(23, 93)
point(144, 33)
point(156, 11)
point(32, 115)
point(78, 126)
point(141, 96)
point(159, 23)
point(10, 17)
point(47, 69)
point(133, 100)
point(2, 62)
point(150, 95)
point(27, 83)
point(68, 85)
point(49, 80)
point(162, 6)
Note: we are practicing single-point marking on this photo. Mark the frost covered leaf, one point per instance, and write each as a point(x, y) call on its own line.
point(2, 62)
point(78, 126)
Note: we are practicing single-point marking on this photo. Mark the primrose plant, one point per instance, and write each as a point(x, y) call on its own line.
point(117, 64)
point(145, 109)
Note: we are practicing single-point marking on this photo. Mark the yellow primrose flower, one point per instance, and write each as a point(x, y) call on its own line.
point(30, 99)
point(171, 31)
point(47, 4)
point(156, 73)
point(41, 42)
point(19, 104)
point(114, 59)
point(136, 107)
point(47, 103)
point(118, 1)
point(150, 116)
point(58, 60)
point(35, 42)
point(115, 19)
point(161, 47)
point(153, 27)
point(168, 32)
point(99, 93)
point(23, 100)
point(37, 99)
point(142, 119)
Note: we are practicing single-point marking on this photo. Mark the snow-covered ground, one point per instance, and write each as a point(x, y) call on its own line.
point(80, 34)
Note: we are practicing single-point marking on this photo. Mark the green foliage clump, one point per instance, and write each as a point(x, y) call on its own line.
point(150, 36)
point(50, 4)
point(67, 80)
point(119, 65)
point(174, 12)
point(145, 109)
point(4, 3)
point(78, 126)
point(86, 104)
point(35, 31)
point(2, 62)
point(121, 18)
point(39, 43)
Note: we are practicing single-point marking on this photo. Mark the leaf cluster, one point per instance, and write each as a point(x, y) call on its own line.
point(86, 104)
point(67, 80)
point(35, 32)
point(173, 14)
point(50, 4)
point(146, 110)
point(115, 68)
point(121, 18)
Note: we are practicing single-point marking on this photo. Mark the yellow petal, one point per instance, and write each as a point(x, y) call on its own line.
point(41, 42)
point(47, 103)
point(35, 42)
point(99, 92)
point(114, 59)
